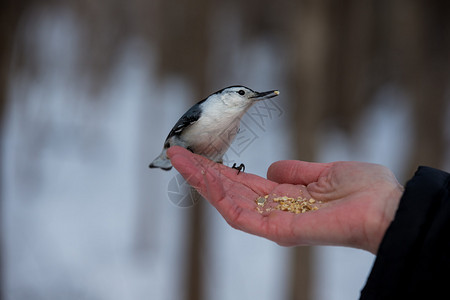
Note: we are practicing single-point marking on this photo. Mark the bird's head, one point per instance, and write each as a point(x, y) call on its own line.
point(240, 96)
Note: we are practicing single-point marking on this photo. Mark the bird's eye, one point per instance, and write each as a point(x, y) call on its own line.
point(241, 92)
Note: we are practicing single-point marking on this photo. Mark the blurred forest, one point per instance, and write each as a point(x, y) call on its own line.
point(335, 57)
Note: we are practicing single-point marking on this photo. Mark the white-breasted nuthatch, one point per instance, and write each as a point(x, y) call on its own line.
point(209, 127)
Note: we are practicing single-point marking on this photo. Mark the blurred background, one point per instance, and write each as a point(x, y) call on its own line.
point(90, 89)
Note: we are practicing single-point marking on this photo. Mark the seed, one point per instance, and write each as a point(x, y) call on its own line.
point(261, 201)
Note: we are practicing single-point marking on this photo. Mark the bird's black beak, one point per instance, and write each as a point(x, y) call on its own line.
point(265, 95)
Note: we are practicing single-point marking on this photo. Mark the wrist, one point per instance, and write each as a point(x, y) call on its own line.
point(385, 217)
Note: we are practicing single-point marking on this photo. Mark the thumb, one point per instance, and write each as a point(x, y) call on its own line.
point(296, 171)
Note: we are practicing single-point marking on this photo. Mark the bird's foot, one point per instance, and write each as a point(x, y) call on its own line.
point(240, 168)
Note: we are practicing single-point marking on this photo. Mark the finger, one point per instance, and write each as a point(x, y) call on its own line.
point(233, 200)
point(188, 164)
point(193, 170)
point(296, 171)
point(229, 193)
point(201, 163)
point(237, 206)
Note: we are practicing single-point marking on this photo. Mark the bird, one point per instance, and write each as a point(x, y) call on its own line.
point(209, 127)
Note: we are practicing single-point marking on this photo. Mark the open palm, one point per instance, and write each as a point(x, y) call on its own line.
point(358, 200)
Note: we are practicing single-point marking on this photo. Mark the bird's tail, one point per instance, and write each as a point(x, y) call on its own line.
point(161, 162)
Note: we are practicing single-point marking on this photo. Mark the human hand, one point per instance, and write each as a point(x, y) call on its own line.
point(359, 200)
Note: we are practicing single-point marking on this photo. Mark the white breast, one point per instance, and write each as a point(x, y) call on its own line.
point(213, 133)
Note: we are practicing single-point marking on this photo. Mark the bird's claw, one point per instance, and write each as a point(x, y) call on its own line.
point(240, 168)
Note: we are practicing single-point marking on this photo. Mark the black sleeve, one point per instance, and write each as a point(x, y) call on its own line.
point(413, 260)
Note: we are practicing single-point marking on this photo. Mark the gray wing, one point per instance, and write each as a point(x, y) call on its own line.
point(186, 120)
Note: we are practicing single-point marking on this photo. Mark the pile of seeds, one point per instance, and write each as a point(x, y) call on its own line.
point(297, 206)
point(294, 205)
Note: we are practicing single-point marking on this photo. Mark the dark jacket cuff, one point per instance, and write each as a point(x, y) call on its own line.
point(414, 256)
